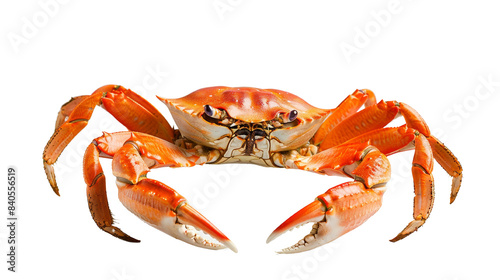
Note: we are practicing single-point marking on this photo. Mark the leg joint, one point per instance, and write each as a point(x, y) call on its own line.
point(133, 144)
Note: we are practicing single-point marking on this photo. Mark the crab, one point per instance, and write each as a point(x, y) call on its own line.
point(267, 127)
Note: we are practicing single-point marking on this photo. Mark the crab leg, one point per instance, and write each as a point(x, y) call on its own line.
point(394, 140)
point(96, 194)
point(125, 105)
point(449, 162)
point(367, 122)
point(154, 202)
point(442, 154)
point(345, 206)
point(389, 140)
point(423, 184)
point(346, 108)
point(371, 118)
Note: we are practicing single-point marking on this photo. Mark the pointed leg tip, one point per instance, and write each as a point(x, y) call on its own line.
point(398, 237)
point(409, 229)
point(56, 190)
point(455, 187)
point(131, 239)
point(53, 185)
point(118, 233)
point(49, 171)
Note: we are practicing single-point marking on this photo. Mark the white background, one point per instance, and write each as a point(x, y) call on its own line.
point(433, 56)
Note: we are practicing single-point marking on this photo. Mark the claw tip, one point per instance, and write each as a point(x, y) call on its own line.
point(271, 237)
point(229, 244)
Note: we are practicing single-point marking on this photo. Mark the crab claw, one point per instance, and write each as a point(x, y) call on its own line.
point(189, 226)
point(312, 213)
point(163, 208)
point(334, 213)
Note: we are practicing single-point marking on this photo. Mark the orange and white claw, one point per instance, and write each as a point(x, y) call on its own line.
point(191, 227)
point(326, 228)
point(166, 210)
point(334, 213)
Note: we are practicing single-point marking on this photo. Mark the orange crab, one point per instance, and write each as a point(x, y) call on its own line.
point(267, 127)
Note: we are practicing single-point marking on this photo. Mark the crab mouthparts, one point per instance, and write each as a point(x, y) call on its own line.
point(250, 136)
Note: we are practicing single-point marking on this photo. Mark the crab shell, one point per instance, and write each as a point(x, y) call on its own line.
point(247, 105)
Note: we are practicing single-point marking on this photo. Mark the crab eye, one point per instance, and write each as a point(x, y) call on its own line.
point(212, 112)
point(209, 110)
point(292, 115)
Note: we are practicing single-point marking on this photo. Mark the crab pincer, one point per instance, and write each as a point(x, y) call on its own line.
point(334, 213)
point(166, 210)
